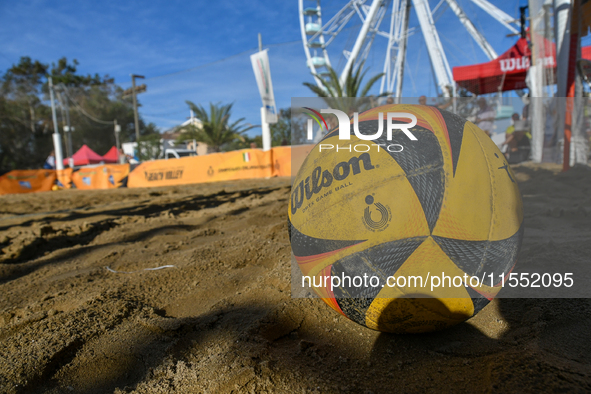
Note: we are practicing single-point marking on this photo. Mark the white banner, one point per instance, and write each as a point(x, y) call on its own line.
point(262, 72)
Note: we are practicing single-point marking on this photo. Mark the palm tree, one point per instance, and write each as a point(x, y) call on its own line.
point(216, 129)
point(338, 96)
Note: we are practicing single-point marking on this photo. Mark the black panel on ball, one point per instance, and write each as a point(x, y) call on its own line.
point(381, 261)
point(304, 245)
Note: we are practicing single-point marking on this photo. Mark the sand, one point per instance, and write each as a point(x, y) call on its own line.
point(222, 320)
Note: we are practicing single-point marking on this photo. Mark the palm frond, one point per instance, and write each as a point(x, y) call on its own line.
point(370, 83)
point(350, 87)
point(215, 129)
point(315, 89)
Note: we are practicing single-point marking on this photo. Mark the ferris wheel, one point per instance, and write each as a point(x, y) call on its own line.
point(323, 31)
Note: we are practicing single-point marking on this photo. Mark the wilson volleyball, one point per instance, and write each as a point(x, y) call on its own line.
point(407, 230)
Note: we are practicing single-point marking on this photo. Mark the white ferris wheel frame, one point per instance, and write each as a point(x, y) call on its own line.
point(317, 36)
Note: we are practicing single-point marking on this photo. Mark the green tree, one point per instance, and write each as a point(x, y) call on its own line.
point(281, 131)
point(341, 96)
point(21, 147)
point(25, 114)
point(25, 121)
point(22, 84)
point(244, 143)
point(65, 73)
point(289, 129)
point(102, 102)
point(216, 130)
point(149, 147)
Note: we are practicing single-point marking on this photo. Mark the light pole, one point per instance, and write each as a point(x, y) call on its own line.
point(117, 131)
point(135, 116)
point(67, 128)
point(70, 128)
point(57, 140)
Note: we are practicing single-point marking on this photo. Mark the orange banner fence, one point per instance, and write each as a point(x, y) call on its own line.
point(243, 164)
point(287, 159)
point(27, 181)
point(64, 178)
point(108, 176)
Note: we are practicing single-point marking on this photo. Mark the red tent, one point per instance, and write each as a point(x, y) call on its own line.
point(85, 156)
point(112, 156)
point(507, 72)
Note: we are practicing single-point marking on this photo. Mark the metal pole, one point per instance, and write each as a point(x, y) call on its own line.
point(57, 141)
point(266, 131)
point(578, 146)
point(66, 128)
point(562, 32)
point(69, 148)
point(373, 10)
point(548, 72)
point(135, 115)
point(117, 143)
point(496, 13)
point(562, 35)
point(535, 82)
point(439, 63)
point(472, 30)
point(401, 58)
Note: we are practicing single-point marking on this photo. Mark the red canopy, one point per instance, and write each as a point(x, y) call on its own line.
point(112, 156)
point(508, 71)
point(85, 156)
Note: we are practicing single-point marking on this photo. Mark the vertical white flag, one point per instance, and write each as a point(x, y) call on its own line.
point(262, 73)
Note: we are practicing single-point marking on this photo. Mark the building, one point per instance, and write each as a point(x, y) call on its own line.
point(175, 134)
point(172, 144)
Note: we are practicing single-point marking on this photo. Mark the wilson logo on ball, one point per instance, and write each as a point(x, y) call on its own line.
point(321, 179)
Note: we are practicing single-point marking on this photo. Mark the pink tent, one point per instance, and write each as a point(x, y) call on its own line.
point(85, 156)
point(112, 156)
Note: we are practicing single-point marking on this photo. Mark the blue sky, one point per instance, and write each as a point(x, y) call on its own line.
point(157, 38)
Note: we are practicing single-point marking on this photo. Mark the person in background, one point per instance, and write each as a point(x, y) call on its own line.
point(517, 138)
point(423, 101)
point(50, 162)
point(510, 140)
point(485, 117)
point(131, 159)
